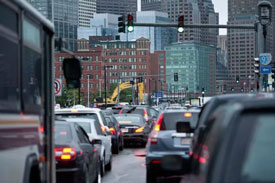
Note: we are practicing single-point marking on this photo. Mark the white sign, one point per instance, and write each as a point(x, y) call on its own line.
point(58, 87)
point(265, 58)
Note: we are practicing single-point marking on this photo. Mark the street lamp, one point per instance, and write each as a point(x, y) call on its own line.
point(105, 82)
point(265, 12)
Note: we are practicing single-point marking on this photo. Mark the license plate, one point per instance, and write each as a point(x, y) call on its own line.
point(124, 130)
point(185, 141)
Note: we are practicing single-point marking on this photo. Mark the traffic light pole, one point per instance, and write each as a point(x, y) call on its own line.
point(207, 26)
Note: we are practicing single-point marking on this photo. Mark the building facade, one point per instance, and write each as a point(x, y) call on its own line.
point(128, 60)
point(64, 15)
point(104, 24)
point(118, 7)
point(86, 11)
point(195, 65)
point(242, 43)
point(194, 12)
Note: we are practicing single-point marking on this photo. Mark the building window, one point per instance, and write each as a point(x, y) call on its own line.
point(60, 59)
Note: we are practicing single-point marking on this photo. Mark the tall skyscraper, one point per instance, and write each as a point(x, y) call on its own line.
point(86, 11)
point(118, 7)
point(194, 12)
point(242, 43)
point(64, 14)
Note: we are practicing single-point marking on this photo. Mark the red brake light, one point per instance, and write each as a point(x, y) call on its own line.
point(112, 130)
point(158, 125)
point(120, 112)
point(65, 153)
point(156, 161)
point(145, 115)
point(103, 128)
point(139, 130)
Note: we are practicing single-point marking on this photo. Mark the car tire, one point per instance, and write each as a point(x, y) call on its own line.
point(98, 176)
point(87, 178)
point(102, 167)
point(108, 167)
point(116, 148)
point(151, 176)
point(121, 147)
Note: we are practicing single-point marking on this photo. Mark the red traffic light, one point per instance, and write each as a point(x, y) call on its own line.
point(130, 17)
point(181, 18)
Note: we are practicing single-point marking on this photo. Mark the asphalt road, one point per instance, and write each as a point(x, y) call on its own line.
point(127, 167)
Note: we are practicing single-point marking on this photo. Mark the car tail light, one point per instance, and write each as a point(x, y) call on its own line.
point(139, 130)
point(65, 153)
point(145, 115)
point(153, 139)
point(103, 128)
point(112, 130)
point(120, 112)
point(156, 161)
point(188, 115)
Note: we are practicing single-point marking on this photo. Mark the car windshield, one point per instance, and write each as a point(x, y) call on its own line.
point(62, 133)
point(170, 119)
point(129, 120)
point(70, 115)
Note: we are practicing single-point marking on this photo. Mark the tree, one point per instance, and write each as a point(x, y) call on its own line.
point(69, 97)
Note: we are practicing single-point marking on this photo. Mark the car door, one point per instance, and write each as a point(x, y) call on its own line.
point(87, 148)
point(106, 141)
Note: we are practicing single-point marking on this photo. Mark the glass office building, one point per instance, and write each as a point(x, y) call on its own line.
point(195, 65)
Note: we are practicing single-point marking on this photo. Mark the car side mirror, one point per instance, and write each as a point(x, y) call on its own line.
point(184, 127)
point(72, 72)
point(96, 141)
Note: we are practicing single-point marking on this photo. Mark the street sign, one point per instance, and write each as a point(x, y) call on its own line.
point(265, 69)
point(158, 94)
point(58, 87)
point(265, 58)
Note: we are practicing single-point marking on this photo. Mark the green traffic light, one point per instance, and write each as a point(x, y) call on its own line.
point(130, 28)
point(180, 29)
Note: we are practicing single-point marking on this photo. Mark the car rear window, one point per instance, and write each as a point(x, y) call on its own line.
point(86, 115)
point(63, 133)
point(85, 126)
point(130, 120)
point(170, 119)
point(253, 156)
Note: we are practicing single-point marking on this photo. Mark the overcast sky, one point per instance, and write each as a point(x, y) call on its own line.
point(221, 8)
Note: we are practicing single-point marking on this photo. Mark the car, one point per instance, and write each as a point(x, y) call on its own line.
point(150, 114)
point(94, 131)
point(97, 115)
point(117, 135)
point(134, 128)
point(76, 158)
point(239, 144)
point(166, 145)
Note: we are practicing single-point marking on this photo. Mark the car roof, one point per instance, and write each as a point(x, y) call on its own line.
point(129, 114)
point(181, 111)
point(75, 110)
point(85, 120)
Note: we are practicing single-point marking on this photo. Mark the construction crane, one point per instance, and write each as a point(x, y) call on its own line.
point(114, 98)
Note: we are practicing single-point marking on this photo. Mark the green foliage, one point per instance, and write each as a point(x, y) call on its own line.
point(68, 97)
point(126, 95)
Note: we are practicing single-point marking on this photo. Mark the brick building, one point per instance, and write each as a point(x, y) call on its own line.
point(130, 58)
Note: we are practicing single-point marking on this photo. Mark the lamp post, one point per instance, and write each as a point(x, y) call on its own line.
point(265, 15)
point(105, 82)
point(88, 88)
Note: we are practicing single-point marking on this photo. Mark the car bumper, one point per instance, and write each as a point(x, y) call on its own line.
point(142, 138)
point(168, 164)
point(71, 175)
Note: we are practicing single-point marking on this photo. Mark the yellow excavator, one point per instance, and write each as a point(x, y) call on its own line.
point(114, 98)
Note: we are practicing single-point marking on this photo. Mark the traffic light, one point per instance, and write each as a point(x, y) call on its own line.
point(256, 65)
point(203, 91)
point(237, 79)
point(242, 90)
point(130, 24)
point(176, 77)
point(121, 24)
point(232, 89)
point(181, 24)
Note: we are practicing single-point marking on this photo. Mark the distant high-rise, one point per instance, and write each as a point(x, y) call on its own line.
point(64, 14)
point(86, 11)
point(194, 12)
point(118, 7)
point(242, 43)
